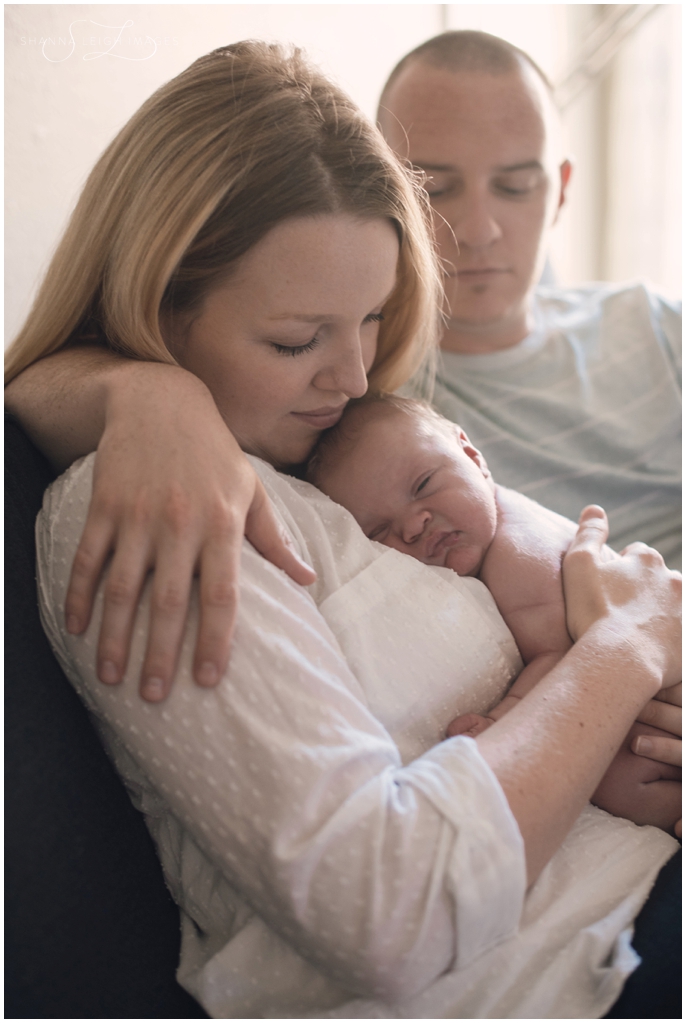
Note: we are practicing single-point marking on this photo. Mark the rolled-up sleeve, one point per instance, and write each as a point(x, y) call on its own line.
point(383, 875)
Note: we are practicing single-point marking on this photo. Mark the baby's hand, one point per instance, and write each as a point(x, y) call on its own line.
point(468, 724)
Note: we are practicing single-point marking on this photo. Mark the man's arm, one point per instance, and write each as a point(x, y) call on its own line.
point(172, 493)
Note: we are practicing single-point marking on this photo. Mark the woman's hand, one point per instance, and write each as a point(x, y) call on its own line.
point(633, 592)
point(173, 493)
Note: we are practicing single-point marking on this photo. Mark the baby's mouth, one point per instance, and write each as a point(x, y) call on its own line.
point(441, 541)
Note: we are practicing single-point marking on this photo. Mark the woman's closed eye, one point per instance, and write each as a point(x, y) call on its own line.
point(295, 349)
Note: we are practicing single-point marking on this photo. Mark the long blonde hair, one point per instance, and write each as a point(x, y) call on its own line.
point(246, 137)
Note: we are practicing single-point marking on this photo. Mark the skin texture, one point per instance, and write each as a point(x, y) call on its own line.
point(173, 492)
point(424, 492)
point(489, 147)
point(420, 487)
point(289, 338)
point(464, 129)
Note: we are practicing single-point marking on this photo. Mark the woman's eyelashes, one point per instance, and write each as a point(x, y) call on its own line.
point(295, 349)
point(314, 342)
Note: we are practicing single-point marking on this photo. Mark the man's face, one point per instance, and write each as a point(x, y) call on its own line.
point(485, 144)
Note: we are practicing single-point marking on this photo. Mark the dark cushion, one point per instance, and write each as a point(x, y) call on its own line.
point(91, 930)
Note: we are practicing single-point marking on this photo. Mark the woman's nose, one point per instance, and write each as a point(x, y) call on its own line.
point(347, 371)
point(414, 524)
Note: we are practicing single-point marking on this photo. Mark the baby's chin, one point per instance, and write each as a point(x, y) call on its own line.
point(465, 560)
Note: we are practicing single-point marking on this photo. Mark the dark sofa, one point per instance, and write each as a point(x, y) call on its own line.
point(90, 928)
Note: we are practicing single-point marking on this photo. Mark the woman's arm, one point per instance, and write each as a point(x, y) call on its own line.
point(172, 492)
point(551, 750)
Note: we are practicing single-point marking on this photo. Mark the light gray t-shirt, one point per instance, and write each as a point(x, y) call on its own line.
point(586, 409)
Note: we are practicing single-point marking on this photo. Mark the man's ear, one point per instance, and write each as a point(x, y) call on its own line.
point(565, 175)
point(471, 452)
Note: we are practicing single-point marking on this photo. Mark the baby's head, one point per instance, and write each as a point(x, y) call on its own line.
point(412, 480)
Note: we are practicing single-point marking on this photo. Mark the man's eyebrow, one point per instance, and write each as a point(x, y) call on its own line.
point(450, 168)
point(527, 165)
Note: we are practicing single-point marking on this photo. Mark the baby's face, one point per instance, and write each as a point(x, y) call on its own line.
point(418, 489)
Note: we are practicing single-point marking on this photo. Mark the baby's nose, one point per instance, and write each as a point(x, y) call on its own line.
point(414, 525)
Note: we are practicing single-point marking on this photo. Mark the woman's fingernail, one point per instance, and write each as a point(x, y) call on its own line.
point(153, 688)
point(642, 744)
point(73, 623)
point(207, 674)
point(109, 672)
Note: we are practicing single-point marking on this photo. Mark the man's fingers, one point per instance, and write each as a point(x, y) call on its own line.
point(655, 747)
point(122, 588)
point(264, 533)
point(671, 695)
point(93, 550)
point(169, 597)
point(661, 715)
point(219, 568)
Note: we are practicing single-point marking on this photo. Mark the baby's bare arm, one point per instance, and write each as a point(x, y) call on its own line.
point(523, 571)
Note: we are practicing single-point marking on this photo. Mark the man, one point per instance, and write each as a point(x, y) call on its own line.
point(572, 394)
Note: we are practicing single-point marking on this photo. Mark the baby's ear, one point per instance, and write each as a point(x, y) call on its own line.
point(470, 451)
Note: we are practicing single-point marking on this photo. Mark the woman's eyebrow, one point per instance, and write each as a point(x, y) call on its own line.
point(302, 317)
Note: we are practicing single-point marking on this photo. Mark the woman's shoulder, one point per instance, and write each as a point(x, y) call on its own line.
point(325, 534)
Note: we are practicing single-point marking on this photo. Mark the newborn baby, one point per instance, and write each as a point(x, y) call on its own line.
point(414, 482)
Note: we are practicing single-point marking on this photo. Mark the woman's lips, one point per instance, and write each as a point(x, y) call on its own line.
point(321, 418)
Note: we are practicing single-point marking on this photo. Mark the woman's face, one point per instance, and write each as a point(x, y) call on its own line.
point(290, 337)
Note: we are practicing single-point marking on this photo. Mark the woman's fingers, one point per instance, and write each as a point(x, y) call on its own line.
point(267, 536)
point(633, 592)
point(656, 747)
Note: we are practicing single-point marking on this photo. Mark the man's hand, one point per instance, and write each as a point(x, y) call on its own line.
point(173, 494)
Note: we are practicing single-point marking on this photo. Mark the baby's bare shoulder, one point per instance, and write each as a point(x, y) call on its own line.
point(523, 567)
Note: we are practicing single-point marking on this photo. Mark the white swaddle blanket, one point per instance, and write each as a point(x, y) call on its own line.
point(221, 774)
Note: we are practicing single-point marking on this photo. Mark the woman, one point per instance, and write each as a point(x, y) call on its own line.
point(330, 855)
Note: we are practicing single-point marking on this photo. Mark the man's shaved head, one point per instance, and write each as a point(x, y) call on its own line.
point(467, 50)
point(478, 117)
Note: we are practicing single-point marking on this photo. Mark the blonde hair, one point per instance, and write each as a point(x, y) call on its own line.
point(246, 137)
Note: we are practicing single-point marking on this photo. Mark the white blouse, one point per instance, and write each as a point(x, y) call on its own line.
point(331, 856)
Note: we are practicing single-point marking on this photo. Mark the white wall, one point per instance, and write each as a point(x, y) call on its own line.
point(63, 107)
point(65, 100)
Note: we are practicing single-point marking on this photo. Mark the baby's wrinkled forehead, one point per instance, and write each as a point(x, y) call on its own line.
point(360, 433)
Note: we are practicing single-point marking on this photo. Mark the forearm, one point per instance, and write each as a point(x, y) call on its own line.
point(551, 750)
point(63, 401)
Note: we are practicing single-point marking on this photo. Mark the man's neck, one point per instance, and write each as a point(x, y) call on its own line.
point(481, 338)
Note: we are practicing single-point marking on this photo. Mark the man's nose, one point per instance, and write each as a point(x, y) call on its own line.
point(413, 524)
point(473, 221)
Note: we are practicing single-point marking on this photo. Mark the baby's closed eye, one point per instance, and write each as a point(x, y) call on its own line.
point(378, 533)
